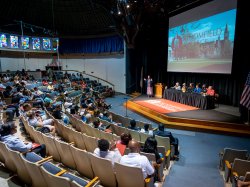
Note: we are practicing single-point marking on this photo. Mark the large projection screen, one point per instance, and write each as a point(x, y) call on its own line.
point(201, 40)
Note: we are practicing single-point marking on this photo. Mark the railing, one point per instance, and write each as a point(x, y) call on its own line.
point(91, 77)
point(85, 75)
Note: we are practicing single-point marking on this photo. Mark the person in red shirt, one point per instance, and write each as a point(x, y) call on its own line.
point(210, 91)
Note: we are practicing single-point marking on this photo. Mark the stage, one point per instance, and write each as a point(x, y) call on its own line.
point(223, 119)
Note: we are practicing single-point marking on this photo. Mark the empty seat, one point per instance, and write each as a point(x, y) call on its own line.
point(21, 170)
point(8, 162)
point(51, 147)
point(65, 154)
point(103, 168)
point(82, 159)
point(229, 155)
point(239, 168)
point(32, 162)
point(78, 140)
point(52, 174)
point(90, 142)
point(131, 176)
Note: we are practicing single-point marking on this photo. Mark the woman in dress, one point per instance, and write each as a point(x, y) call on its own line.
point(149, 83)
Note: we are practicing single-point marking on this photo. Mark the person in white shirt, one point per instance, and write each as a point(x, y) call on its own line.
point(134, 159)
point(104, 151)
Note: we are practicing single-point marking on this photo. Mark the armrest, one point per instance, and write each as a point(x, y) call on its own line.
point(228, 164)
point(72, 143)
point(92, 182)
point(61, 172)
point(44, 160)
point(167, 153)
point(149, 182)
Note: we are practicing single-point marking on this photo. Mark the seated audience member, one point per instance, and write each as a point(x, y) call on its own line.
point(150, 146)
point(134, 159)
point(44, 82)
point(197, 89)
point(173, 141)
point(190, 89)
point(105, 151)
point(37, 122)
point(133, 126)
point(7, 136)
point(146, 129)
point(123, 142)
point(210, 91)
point(50, 86)
point(184, 87)
point(204, 88)
point(106, 116)
point(57, 112)
point(177, 86)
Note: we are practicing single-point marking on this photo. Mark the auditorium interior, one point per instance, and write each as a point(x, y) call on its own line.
point(124, 93)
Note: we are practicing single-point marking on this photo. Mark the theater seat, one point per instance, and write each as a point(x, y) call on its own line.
point(8, 162)
point(239, 168)
point(32, 162)
point(229, 155)
point(103, 168)
point(51, 147)
point(21, 170)
point(131, 176)
point(82, 159)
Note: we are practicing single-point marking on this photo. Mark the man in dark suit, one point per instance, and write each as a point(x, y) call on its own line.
point(173, 141)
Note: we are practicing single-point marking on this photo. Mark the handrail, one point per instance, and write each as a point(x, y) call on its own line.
point(98, 78)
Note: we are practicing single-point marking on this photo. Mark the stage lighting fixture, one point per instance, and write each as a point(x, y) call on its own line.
point(128, 6)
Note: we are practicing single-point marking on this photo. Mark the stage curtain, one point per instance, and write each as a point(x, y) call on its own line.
point(109, 44)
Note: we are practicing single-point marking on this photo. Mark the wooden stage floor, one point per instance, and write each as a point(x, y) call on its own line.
point(179, 116)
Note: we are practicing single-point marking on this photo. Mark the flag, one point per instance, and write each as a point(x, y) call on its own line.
point(141, 81)
point(245, 97)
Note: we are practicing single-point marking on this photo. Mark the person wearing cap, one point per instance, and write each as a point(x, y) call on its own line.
point(13, 142)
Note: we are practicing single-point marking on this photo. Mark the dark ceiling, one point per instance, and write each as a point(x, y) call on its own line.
point(73, 18)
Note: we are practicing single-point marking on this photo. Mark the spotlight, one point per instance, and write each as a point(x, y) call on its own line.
point(119, 13)
point(128, 6)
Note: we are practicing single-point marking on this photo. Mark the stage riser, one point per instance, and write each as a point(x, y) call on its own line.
point(190, 124)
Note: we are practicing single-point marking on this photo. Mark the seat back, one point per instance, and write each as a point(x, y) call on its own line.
point(82, 159)
point(34, 172)
point(247, 177)
point(65, 154)
point(241, 166)
point(51, 147)
point(21, 170)
point(144, 137)
point(8, 162)
point(230, 155)
point(53, 180)
point(90, 142)
point(128, 176)
point(163, 141)
point(78, 140)
point(104, 170)
point(135, 135)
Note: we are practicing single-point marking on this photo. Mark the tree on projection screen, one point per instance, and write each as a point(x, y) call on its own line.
point(204, 45)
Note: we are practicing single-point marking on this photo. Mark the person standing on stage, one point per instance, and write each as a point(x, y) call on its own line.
point(149, 83)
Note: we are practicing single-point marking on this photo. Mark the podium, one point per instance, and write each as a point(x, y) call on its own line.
point(158, 90)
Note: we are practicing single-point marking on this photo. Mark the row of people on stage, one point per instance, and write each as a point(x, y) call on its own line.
point(195, 89)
